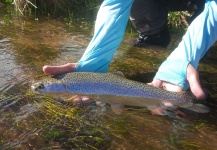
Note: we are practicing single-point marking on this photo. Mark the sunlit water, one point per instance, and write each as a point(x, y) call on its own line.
point(34, 121)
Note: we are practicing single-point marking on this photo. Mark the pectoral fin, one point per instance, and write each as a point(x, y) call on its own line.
point(199, 108)
point(156, 110)
point(117, 108)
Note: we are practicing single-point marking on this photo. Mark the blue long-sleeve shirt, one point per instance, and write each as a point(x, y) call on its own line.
point(200, 36)
point(110, 27)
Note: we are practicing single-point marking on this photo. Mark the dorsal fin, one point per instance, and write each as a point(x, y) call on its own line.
point(119, 73)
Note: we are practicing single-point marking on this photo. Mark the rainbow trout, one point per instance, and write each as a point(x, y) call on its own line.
point(111, 88)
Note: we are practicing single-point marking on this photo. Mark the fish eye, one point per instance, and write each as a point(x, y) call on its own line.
point(41, 86)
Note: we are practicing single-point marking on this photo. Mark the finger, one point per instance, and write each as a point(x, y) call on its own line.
point(157, 83)
point(171, 87)
point(165, 85)
point(56, 70)
point(83, 99)
point(194, 82)
point(151, 84)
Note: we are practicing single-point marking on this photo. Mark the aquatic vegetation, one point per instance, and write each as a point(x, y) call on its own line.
point(53, 7)
point(6, 19)
point(46, 120)
point(190, 145)
point(29, 121)
point(85, 8)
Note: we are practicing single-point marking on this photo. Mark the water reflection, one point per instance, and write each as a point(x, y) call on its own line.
point(29, 121)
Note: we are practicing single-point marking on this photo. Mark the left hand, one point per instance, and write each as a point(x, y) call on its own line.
point(193, 79)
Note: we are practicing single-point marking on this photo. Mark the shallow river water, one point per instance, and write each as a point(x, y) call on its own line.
point(34, 121)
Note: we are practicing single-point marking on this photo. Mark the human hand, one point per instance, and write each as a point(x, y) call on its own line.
point(193, 78)
point(56, 70)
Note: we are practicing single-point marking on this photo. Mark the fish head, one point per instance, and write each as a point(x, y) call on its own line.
point(48, 85)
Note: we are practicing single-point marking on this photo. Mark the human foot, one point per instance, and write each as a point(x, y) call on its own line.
point(56, 70)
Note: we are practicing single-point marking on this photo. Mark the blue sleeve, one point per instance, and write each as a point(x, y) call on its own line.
point(200, 36)
point(110, 26)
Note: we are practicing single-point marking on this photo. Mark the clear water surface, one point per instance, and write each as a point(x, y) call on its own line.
point(31, 121)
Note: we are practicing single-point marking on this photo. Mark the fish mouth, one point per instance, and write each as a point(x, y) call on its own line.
point(37, 87)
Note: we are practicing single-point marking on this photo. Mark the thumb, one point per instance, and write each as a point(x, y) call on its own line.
point(194, 82)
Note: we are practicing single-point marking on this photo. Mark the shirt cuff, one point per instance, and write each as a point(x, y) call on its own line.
point(174, 71)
